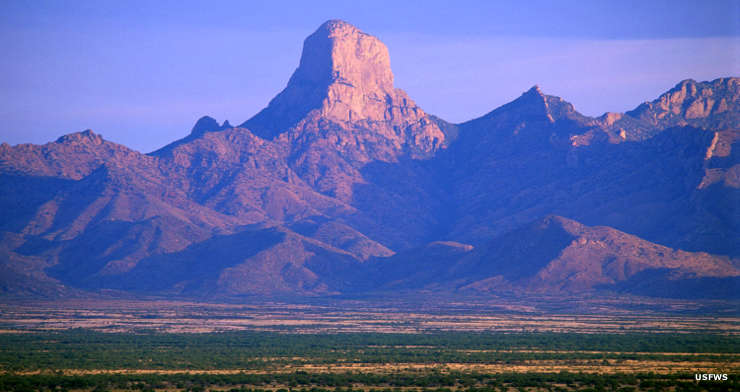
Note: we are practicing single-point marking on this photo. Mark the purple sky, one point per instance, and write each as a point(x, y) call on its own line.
point(141, 73)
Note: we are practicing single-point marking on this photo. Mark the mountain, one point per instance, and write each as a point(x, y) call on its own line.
point(555, 255)
point(342, 185)
point(537, 156)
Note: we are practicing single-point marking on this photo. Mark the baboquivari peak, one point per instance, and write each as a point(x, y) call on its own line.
point(344, 78)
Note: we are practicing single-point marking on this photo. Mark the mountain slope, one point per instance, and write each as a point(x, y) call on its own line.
point(254, 261)
point(557, 254)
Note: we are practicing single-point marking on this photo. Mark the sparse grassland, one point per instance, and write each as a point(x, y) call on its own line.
point(511, 315)
point(388, 347)
point(449, 361)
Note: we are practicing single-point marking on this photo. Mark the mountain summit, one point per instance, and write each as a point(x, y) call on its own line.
point(339, 52)
point(344, 77)
point(341, 71)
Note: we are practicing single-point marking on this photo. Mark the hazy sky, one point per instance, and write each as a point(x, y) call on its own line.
point(141, 73)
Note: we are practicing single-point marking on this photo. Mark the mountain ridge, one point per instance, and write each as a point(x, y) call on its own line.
point(342, 175)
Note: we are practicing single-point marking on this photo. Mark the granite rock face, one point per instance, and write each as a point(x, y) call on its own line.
point(344, 80)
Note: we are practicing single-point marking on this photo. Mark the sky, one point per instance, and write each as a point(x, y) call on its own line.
point(141, 73)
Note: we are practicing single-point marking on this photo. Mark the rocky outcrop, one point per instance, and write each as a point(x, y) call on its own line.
point(711, 105)
point(714, 104)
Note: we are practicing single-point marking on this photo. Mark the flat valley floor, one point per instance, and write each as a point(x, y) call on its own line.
point(381, 345)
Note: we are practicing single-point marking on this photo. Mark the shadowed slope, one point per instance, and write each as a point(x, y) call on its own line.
point(557, 254)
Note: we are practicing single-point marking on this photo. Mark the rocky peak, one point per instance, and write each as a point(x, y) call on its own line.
point(534, 92)
point(85, 137)
point(554, 108)
point(340, 53)
point(535, 106)
point(205, 124)
point(532, 121)
point(693, 103)
point(534, 103)
point(344, 78)
point(343, 73)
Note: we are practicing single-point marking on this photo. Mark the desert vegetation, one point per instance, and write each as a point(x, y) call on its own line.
point(84, 360)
